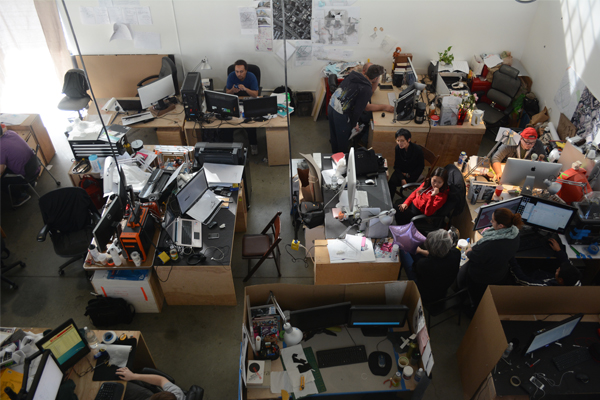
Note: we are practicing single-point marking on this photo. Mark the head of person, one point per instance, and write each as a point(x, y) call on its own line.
point(504, 218)
point(163, 396)
point(373, 73)
point(403, 138)
point(567, 274)
point(366, 67)
point(528, 138)
point(241, 69)
point(437, 180)
point(438, 243)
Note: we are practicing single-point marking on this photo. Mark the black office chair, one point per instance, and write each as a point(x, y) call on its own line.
point(6, 268)
point(505, 85)
point(69, 216)
point(194, 393)
point(167, 68)
point(255, 69)
point(454, 301)
point(332, 80)
point(75, 89)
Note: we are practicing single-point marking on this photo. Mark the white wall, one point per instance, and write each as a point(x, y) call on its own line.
point(192, 29)
point(563, 33)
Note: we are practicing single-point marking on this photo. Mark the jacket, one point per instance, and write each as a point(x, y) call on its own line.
point(426, 203)
point(488, 261)
point(352, 96)
point(409, 161)
point(435, 275)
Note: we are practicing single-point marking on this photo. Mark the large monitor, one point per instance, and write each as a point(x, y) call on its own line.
point(323, 317)
point(66, 343)
point(47, 378)
point(484, 217)
point(547, 336)
point(107, 226)
point(351, 177)
point(259, 107)
point(374, 320)
point(546, 214)
point(223, 105)
point(156, 92)
point(406, 104)
point(517, 170)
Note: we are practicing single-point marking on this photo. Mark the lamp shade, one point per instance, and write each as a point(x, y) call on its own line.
point(204, 64)
point(292, 335)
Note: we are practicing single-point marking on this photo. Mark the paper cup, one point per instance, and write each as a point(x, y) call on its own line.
point(435, 120)
point(498, 190)
point(403, 362)
point(477, 117)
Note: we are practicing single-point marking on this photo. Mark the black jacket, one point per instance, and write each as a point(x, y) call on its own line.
point(352, 96)
point(436, 275)
point(409, 161)
point(488, 261)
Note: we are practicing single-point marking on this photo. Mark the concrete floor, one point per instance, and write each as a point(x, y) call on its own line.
point(195, 344)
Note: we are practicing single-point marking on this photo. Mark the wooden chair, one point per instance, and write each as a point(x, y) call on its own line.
point(431, 159)
point(262, 246)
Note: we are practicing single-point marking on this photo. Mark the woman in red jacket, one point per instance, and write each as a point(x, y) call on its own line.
point(427, 199)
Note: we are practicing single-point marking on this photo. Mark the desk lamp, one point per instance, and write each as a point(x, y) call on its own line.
point(385, 217)
point(203, 64)
point(292, 335)
point(509, 138)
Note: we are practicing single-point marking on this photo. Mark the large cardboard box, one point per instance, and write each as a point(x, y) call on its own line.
point(144, 293)
point(295, 297)
point(484, 341)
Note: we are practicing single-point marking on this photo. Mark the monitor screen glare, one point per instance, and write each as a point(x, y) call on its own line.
point(66, 344)
point(484, 218)
point(546, 214)
point(223, 105)
point(545, 337)
point(156, 92)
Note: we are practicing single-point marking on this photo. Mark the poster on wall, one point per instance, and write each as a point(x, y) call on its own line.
point(586, 117)
point(264, 40)
point(248, 21)
point(303, 53)
point(116, 13)
point(297, 20)
point(338, 26)
point(569, 92)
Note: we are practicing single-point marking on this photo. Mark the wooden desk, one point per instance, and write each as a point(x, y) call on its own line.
point(33, 131)
point(276, 131)
point(449, 141)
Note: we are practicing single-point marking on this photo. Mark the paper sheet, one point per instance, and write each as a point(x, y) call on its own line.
point(294, 359)
point(87, 15)
point(491, 60)
point(13, 119)
point(223, 174)
point(101, 15)
point(130, 15)
point(245, 341)
point(115, 14)
point(144, 15)
point(280, 380)
point(118, 354)
point(248, 21)
point(263, 41)
point(121, 31)
point(388, 44)
point(303, 53)
point(569, 92)
point(146, 40)
point(290, 51)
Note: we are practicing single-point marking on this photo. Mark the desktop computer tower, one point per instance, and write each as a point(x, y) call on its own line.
point(191, 94)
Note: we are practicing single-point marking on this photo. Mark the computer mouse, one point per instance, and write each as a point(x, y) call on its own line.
point(382, 115)
point(369, 182)
point(583, 378)
point(381, 362)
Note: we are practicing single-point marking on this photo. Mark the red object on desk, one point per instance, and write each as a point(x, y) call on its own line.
point(480, 84)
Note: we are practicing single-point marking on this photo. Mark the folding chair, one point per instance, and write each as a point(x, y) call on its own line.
point(262, 246)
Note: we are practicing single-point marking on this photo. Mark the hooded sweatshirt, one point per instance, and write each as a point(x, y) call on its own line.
point(352, 96)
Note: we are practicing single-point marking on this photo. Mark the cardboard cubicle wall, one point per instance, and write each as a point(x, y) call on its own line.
point(484, 341)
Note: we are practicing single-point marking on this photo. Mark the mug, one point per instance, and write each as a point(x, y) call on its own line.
point(476, 117)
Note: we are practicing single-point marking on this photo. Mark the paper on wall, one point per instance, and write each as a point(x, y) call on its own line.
point(569, 92)
point(303, 53)
point(115, 14)
point(121, 31)
point(105, 3)
point(101, 15)
point(248, 21)
point(144, 15)
point(388, 44)
point(290, 50)
point(130, 15)
point(87, 15)
point(263, 41)
point(146, 40)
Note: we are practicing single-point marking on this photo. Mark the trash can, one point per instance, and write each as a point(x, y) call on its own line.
point(304, 102)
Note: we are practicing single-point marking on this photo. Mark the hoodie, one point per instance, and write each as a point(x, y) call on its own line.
point(352, 96)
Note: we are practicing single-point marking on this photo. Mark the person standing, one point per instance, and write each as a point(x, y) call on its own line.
point(408, 162)
point(241, 82)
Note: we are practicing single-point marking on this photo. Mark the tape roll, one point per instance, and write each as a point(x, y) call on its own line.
point(593, 249)
point(109, 337)
point(515, 381)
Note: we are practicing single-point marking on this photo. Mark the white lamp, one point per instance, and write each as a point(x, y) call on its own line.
point(509, 138)
point(292, 336)
point(203, 64)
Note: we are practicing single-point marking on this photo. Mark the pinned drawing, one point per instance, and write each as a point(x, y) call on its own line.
point(569, 92)
point(264, 40)
point(248, 21)
point(336, 26)
point(303, 53)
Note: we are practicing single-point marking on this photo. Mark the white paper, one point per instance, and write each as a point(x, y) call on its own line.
point(288, 355)
point(337, 26)
point(418, 317)
point(88, 15)
point(130, 15)
point(13, 119)
point(146, 40)
point(118, 354)
point(245, 341)
point(144, 15)
point(105, 3)
point(388, 44)
point(427, 358)
point(303, 53)
point(569, 92)
point(280, 380)
point(115, 14)
point(128, 3)
point(457, 65)
point(264, 40)
point(101, 15)
point(350, 250)
point(290, 51)
point(248, 21)
point(503, 129)
point(121, 31)
point(491, 60)
point(223, 174)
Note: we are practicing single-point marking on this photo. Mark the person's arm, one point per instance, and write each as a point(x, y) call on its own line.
point(379, 107)
point(435, 202)
point(422, 252)
point(412, 196)
point(500, 154)
point(251, 93)
point(250, 85)
point(417, 163)
point(126, 374)
point(362, 99)
point(229, 87)
point(521, 277)
point(2, 169)
point(559, 253)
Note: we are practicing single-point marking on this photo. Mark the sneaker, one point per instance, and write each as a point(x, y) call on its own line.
point(23, 198)
point(254, 149)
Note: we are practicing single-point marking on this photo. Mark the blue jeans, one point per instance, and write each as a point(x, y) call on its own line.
point(407, 261)
point(339, 130)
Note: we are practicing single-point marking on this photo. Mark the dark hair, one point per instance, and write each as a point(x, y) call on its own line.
point(241, 62)
point(506, 217)
point(403, 132)
point(163, 396)
point(569, 274)
point(442, 173)
point(374, 71)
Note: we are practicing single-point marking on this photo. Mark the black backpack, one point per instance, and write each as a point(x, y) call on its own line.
point(108, 311)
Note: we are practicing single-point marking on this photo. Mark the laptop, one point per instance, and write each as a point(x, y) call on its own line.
point(197, 200)
point(130, 105)
point(183, 232)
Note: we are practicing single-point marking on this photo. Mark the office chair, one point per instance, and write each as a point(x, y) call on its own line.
point(28, 182)
point(505, 85)
point(255, 69)
point(194, 393)
point(75, 89)
point(168, 67)
point(69, 216)
point(262, 246)
point(450, 302)
point(6, 268)
point(332, 80)
point(431, 159)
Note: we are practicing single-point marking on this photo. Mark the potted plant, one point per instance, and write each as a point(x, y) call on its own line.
point(468, 104)
point(445, 57)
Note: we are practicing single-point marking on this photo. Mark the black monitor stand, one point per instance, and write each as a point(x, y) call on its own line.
point(160, 105)
point(222, 117)
point(370, 331)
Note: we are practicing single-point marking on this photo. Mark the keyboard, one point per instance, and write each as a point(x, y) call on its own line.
point(110, 391)
point(186, 232)
point(572, 358)
point(137, 118)
point(391, 98)
point(342, 356)
point(532, 241)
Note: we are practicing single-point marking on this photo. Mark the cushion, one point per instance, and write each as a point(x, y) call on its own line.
point(255, 245)
point(407, 237)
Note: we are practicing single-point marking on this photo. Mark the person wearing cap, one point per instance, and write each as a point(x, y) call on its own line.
point(528, 145)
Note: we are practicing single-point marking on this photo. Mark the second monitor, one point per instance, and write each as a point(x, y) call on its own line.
point(516, 171)
point(225, 106)
point(260, 106)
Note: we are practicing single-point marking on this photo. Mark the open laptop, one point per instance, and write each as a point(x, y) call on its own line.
point(197, 200)
point(130, 105)
point(183, 232)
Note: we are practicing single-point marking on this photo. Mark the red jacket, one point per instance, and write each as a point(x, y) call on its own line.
point(426, 203)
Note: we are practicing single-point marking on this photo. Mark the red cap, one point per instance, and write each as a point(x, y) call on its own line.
point(529, 134)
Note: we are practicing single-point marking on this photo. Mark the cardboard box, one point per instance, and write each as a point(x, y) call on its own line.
point(295, 297)
point(484, 342)
point(144, 293)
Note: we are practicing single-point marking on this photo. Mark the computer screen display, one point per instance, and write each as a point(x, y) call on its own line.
point(546, 336)
point(107, 226)
point(351, 178)
point(546, 214)
point(223, 104)
point(378, 316)
point(66, 343)
point(320, 317)
point(406, 103)
point(260, 107)
point(156, 91)
point(517, 170)
point(192, 191)
point(484, 217)
point(47, 379)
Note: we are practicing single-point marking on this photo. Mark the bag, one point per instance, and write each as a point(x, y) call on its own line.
point(366, 162)
point(312, 214)
point(94, 189)
point(108, 311)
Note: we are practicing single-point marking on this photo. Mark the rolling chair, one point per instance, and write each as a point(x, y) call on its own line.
point(432, 160)
point(75, 89)
point(255, 69)
point(6, 268)
point(69, 217)
point(263, 245)
point(454, 301)
point(505, 85)
point(167, 68)
point(194, 393)
point(332, 80)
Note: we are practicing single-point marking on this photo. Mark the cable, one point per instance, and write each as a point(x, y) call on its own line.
point(294, 259)
point(350, 334)
point(550, 381)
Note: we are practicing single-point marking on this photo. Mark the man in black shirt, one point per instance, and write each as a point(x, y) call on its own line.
point(408, 163)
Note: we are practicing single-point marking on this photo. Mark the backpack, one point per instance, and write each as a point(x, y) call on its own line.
point(108, 311)
point(94, 189)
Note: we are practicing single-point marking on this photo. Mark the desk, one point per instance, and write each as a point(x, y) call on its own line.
point(33, 131)
point(276, 131)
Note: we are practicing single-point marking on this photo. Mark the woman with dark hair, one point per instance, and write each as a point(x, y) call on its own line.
point(489, 258)
point(427, 199)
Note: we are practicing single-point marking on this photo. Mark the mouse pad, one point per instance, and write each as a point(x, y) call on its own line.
point(109, 373)
point(374, 363)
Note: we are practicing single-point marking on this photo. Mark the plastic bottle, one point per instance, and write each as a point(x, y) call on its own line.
point(396, 379)
point(135, 257)
point(95, 163)
point(94, 252)
point(461, 159)
point(419, 375)
point(91, 338)
point(395, 250)
point(507, 351)
point(407, 373)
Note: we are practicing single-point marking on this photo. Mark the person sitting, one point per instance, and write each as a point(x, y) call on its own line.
point(16, 157)
point(565, 275)
point(241, 82)
point(135, 391)
point(408, 162)
point(528, 145)
point(427, 199)
point(489, 257)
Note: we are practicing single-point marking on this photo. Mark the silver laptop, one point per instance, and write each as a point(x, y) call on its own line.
point(197, 200)
point(183, 232)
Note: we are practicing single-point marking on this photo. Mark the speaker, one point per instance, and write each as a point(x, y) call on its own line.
point(191, 94)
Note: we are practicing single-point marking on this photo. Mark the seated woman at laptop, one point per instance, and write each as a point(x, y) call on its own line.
point(427, 199)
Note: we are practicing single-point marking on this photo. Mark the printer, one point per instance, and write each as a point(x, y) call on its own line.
point(218, 153)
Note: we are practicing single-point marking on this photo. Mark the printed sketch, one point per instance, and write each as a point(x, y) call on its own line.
point(336, 26)
point(586, 117)
point(264, 40)
point(303, 53)
point(297, 19)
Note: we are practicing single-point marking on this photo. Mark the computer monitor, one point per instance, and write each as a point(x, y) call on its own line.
point(66, 343)
point(517, 170)
point(484, 217)
point(259, 107)
point(156, 92)
point(546, 336)
point(374, 320)
point(223, 105)
point(322, 317)
point(351, 179)
point(47, 378)
point(107, 226)
point(546, 214)
point(406, 104)
point(410, 77)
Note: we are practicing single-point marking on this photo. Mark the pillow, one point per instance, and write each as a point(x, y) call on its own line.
point(407, 237)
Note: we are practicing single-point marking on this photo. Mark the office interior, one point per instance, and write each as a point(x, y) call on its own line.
point(200, 344)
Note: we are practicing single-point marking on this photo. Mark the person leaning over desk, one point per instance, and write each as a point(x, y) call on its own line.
point(408, 162)
point(135, 390)
point(528, 145)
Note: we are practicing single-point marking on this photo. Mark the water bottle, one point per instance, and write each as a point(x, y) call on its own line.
point(507, 351)
point(91, 338)
point(419, 375)
point(395, 250)
point(136, 258)
point(94, 252)
point(461, 159)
